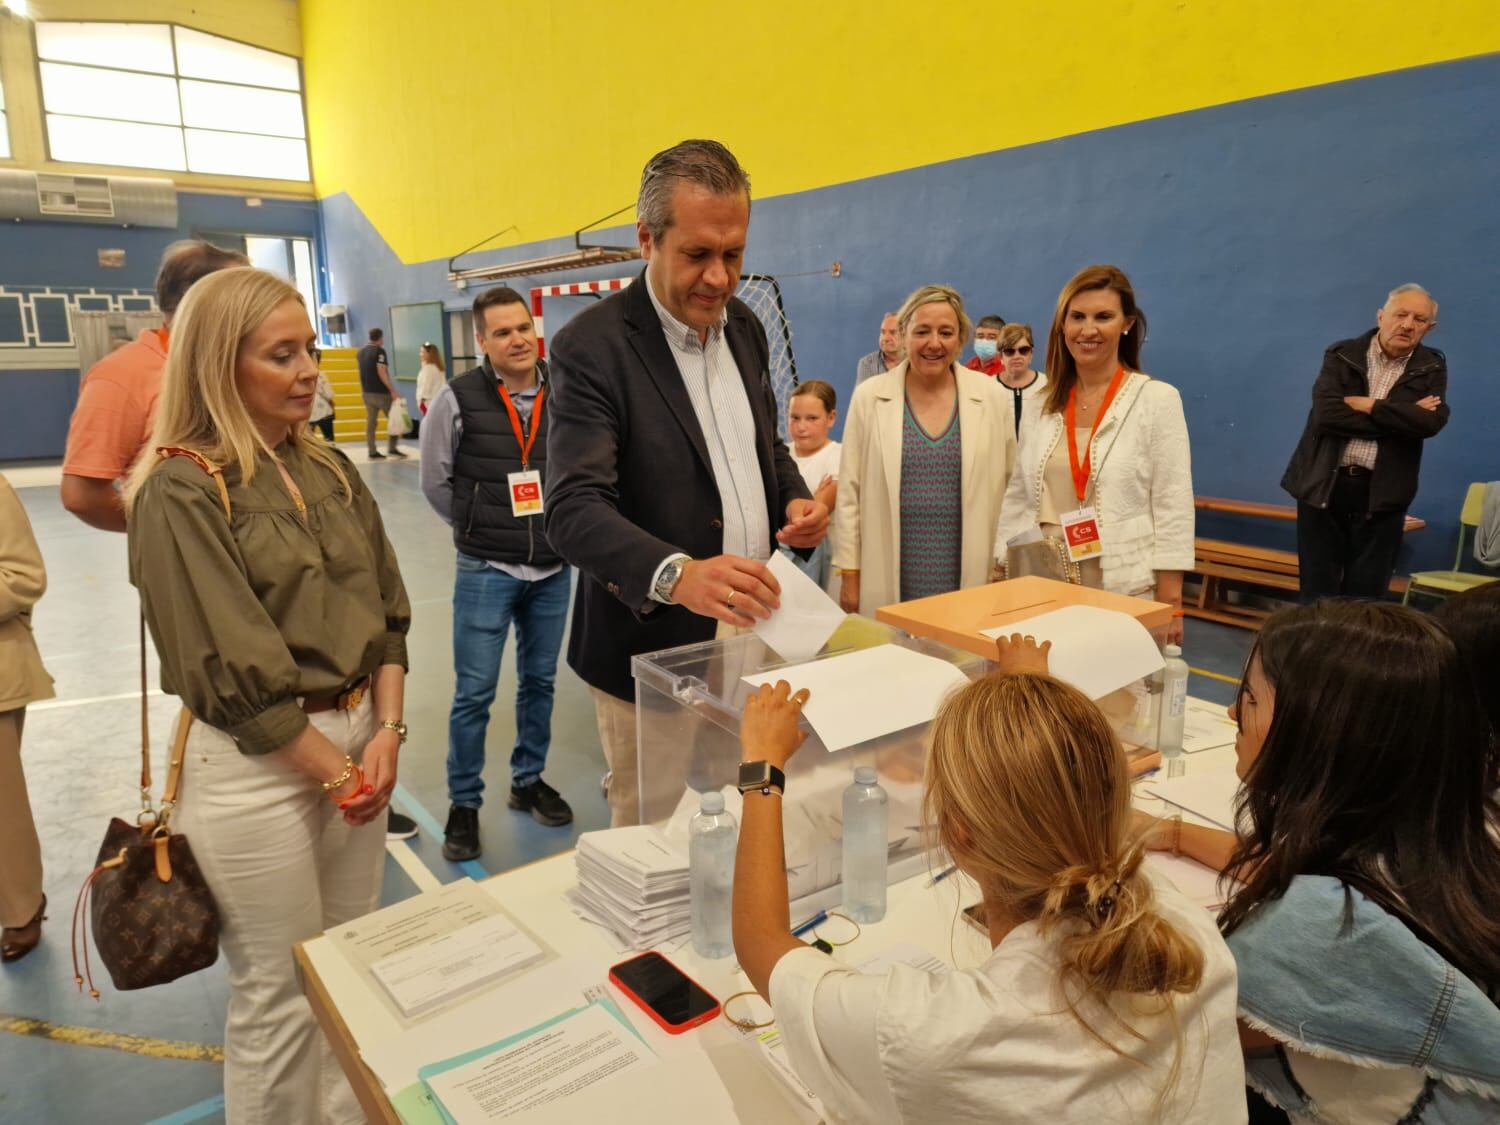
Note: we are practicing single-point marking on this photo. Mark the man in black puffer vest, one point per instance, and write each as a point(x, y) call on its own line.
point(484, 463)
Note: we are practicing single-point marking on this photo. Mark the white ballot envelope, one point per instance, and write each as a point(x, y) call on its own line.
point(807, 617)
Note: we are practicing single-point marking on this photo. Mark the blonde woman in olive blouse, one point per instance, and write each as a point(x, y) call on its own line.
point(282, 628)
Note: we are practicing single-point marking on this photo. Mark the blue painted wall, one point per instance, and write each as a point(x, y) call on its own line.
point(1255, 233)
point(40, 402)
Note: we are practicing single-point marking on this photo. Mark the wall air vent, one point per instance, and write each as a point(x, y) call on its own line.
point(119, 201)
point(74, 196)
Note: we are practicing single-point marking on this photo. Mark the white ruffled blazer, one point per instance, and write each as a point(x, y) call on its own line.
point(1143, 483)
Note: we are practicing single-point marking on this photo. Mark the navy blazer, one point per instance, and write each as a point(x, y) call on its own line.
point(630, 481)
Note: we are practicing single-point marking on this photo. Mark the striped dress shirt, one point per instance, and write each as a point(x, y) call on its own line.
point(722, 408)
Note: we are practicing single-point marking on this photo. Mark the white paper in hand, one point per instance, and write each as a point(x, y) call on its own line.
point(807, 617)
point(857, 696)
point(1096, 650)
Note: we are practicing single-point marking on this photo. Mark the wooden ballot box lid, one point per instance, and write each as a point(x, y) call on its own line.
point(957, 618)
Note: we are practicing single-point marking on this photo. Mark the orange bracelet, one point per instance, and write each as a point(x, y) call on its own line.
point(359, 787)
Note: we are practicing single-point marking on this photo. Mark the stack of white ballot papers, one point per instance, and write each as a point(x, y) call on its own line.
point(634, 882)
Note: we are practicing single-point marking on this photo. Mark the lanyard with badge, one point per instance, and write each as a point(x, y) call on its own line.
point(525, 486)
point(1081, 528)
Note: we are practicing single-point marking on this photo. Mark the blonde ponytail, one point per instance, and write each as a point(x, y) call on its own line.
point(1028, 790)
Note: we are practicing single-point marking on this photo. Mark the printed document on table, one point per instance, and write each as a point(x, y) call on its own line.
point(1209, 795)
point(431, 947)
point(806, 618)
point(1206, 727)
point(586, 1064)
point(429, 975)
point(870, 693)
point(1096, 650)
point(511, 1006)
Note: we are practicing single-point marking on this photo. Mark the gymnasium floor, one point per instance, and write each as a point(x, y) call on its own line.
point(153, 1056)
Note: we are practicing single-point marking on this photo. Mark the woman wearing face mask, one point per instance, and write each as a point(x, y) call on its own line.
point(280, 617)
point(1106, 469)
point(923, 466)
point(1364, 922)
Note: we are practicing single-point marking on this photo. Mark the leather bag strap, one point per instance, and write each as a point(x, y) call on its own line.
point(185, 719)
point(145, 722)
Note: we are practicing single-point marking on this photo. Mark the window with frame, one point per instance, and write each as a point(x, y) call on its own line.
point(156, 95)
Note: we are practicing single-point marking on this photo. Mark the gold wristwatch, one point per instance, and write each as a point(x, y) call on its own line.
point(396, 725)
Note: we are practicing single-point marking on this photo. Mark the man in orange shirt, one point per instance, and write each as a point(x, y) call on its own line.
point(117, 400)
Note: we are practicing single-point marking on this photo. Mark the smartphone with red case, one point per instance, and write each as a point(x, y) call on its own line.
point(668, 995)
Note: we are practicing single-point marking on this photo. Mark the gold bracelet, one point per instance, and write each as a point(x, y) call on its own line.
point(1177, 834)
point(330, 786)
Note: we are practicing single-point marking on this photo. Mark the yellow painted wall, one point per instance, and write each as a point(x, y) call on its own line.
point(272, 24)
point(449, 120)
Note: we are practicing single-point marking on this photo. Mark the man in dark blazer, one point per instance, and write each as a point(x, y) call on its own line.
point(1378, 397)
point(669, 484)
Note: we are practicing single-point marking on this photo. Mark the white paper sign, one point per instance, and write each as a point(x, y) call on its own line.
point(1096, 650)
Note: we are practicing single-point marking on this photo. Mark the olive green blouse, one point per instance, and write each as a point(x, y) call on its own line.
point(252, 612)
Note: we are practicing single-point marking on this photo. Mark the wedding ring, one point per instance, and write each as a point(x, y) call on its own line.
point(729, 601)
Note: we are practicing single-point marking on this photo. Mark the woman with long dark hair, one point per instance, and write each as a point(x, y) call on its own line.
point(1364, 920)
point(1105, 468)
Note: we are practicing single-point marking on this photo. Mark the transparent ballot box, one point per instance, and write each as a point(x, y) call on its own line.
point(689, 703)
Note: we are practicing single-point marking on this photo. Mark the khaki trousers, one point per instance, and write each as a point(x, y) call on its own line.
point(617, 735)
point(283, 867)
point(20, 850)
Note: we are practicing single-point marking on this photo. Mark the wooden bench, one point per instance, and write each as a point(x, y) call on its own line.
point(1219, 561)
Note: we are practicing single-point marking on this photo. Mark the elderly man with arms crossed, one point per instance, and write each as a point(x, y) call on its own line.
point(1377, 399)
point(669, 485)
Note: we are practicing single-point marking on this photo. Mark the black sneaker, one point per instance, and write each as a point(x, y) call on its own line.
point(376, 455)
point(399, 827)
point(397, 454)
point(461, 836)
point(543, 802)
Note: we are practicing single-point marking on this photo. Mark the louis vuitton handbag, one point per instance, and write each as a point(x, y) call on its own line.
point(152, 914)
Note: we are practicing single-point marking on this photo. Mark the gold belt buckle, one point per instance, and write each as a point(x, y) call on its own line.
point(350, 699)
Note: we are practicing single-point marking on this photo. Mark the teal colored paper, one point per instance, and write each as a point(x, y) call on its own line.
point(432, 1070)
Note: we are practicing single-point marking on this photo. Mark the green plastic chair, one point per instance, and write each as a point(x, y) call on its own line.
point(1446, 583)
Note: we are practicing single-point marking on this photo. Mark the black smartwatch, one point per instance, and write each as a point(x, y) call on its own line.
point(761, 775)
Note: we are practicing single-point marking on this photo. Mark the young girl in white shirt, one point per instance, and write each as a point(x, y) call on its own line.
point(1109, 996)
point(811, 413)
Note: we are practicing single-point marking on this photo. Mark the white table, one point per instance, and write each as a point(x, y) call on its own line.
point(351, 1014)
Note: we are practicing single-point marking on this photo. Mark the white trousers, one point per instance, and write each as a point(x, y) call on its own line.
point(283, 867)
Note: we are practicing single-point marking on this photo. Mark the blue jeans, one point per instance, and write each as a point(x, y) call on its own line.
point(485, 602)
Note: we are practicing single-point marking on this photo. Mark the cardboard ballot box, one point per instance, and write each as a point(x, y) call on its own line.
point(960, 618)
point(957, 619)
point(689, 703)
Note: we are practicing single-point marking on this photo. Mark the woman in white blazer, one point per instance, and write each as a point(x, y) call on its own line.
point(1128, 460)
point(926, 449)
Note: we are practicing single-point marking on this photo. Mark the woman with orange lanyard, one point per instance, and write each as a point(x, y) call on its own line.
point(1106, 470)
point(280, 617)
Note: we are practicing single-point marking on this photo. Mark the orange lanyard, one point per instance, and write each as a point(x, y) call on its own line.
point(523, 439)
point(1081, 472)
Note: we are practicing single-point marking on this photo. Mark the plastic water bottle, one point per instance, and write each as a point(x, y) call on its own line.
point(1174, 679)
point(712, 838)
point(866, 816)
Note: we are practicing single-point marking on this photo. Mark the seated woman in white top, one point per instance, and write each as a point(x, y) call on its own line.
point(1109, 996)
point(1108, 440)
